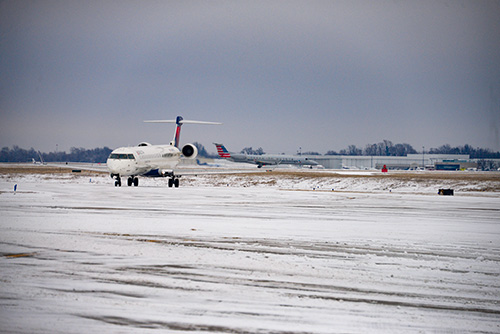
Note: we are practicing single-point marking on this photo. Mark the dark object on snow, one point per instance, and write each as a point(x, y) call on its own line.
point(446, 192)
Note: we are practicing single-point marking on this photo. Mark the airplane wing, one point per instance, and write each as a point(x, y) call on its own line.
point(92, 167)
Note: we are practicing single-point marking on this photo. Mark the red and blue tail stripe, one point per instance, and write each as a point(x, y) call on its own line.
point(177, 136)
point(223, 153)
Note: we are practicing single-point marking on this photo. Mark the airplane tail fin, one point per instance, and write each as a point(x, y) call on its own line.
point(179, 121)
point(177, 135)
point(222, 151)
point(41, 158)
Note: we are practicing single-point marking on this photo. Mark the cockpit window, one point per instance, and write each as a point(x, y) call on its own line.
point(121, 156)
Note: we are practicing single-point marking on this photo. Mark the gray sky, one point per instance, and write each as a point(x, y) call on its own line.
point(280, 75)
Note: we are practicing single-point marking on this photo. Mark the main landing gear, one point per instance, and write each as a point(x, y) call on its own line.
point(173, 181)
point(133, 181)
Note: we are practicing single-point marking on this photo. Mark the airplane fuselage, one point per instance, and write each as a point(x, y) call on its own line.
point(145, 160)
point(268, 159)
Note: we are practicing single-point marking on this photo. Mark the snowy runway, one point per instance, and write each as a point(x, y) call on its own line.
point(78, 257)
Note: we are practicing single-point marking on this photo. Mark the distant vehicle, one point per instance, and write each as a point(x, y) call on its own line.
point(152, 160)
point(264, 159)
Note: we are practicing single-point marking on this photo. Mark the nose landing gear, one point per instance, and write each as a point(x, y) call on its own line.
point(118, 180)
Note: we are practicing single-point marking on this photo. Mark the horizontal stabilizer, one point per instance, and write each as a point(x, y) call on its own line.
point(184, 121)
point(179, 121)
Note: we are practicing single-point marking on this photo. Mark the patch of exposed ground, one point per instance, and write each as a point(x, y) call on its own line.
point(44, 169)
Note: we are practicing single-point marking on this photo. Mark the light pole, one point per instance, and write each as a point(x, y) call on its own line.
point(423, 160)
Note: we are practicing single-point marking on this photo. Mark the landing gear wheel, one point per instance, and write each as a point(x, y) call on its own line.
point(132, 181)
point(173, 182)
point(118, 180)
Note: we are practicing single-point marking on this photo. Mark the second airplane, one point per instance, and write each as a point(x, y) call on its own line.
point(264, 159)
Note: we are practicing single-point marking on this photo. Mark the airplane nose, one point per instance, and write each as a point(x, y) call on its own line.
point(111, 165)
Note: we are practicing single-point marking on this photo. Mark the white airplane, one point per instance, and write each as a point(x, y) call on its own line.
point(264, 159)
point(152, 160)
point(41, 160)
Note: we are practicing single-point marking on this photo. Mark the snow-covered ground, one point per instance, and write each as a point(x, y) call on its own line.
point(242, 254)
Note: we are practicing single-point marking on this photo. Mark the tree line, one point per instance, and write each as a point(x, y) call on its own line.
point(387, 148)
point(17, 154)
point(384, 148)
point(474, 153)
point(76, 154)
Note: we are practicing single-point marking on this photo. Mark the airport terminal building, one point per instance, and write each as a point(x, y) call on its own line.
point(411, 161)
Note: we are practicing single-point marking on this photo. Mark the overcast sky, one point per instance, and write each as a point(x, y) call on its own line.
point(280, 75)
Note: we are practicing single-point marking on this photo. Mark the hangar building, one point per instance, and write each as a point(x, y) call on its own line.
point(411, 161)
